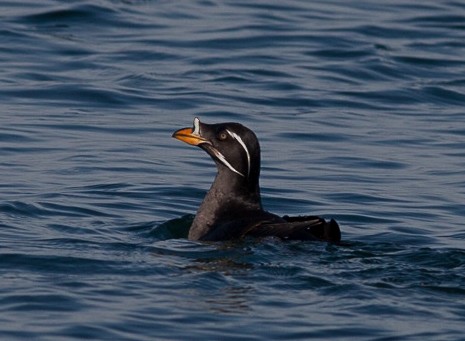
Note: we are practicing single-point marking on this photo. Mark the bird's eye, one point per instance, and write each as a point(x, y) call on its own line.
point(222, 136)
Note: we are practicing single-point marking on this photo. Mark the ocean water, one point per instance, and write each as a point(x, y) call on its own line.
point(360, 110)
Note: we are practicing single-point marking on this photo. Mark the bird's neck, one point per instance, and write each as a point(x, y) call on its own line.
point(232, 186)
point(227, 197)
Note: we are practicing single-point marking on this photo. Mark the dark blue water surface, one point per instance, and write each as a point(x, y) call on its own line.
point(360, 110)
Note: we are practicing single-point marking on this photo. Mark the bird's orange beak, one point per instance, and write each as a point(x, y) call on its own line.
point(187, 135)
point(190, 135)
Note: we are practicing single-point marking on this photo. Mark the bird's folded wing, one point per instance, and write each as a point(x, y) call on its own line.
point(301, 228)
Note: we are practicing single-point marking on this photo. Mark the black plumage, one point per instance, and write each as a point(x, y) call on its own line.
point(232, 207)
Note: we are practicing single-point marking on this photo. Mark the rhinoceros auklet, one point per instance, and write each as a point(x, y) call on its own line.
point(232, 207)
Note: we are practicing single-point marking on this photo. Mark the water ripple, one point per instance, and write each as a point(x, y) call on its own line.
point(358, 107)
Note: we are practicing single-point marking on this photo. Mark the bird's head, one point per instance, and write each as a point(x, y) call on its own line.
point(232, 146)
